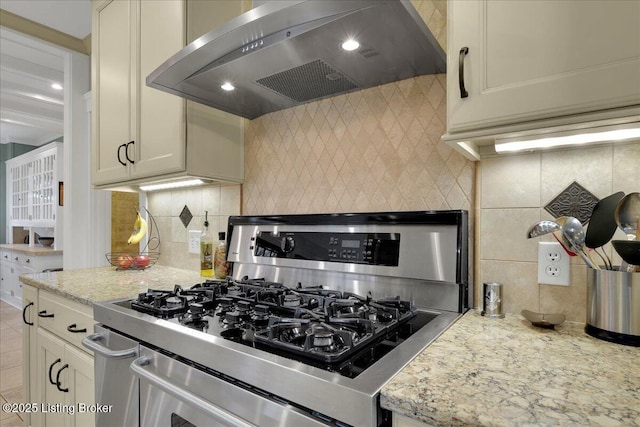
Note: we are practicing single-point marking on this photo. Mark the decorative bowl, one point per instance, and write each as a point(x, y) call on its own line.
point(541, 320)
point(45, 241)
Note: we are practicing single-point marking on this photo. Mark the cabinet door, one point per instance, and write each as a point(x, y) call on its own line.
point(114, 87)
point(29, 351)
point(80, 385)
point(5, 274)
point(531, 60)
point(160, 145)
point(9, 274)
point(44, 187)
point(19, 190)
point(50, 368)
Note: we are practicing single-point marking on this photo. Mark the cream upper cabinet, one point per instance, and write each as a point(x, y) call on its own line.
point(142, 134)
point(527, 60)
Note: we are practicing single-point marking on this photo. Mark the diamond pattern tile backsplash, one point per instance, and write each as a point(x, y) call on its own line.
point(373, 150)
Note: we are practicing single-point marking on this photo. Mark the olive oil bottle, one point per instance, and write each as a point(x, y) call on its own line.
point(206, 249)
point(221, 266)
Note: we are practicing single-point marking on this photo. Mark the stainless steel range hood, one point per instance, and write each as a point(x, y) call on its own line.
point(286, 53)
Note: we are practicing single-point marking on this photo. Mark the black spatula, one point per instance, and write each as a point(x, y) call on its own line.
point(602, 225)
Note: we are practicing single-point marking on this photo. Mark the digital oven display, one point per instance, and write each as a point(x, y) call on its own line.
point(355, 244)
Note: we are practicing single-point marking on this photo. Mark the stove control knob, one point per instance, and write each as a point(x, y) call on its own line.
point(287, 244)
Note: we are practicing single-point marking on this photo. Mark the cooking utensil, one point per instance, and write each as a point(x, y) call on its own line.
point(629, 250)
point(575, 234)
point(560, 237)
point(542, 320)
point(602, 225)
point(542, 227)
point(627, 215)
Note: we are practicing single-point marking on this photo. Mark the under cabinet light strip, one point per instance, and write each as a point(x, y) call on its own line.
point(169, 185)
point(576, 137)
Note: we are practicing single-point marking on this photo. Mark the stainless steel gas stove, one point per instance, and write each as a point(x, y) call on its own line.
point(319, 313)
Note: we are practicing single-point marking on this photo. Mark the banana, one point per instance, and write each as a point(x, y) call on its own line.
point(139, 230)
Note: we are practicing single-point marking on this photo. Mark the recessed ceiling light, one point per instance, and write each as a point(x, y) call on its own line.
point(350, 45)
point(228, 86)
point(56, 86)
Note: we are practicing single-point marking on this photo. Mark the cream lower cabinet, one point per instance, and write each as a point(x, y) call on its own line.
point(58, 372)
point(521, 61)
point(66, 389)
point(402, 421)
point(144, 134)
point(14, 263)
point(29, 345)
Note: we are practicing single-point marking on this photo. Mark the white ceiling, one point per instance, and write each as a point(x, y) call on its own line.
point(31, 112)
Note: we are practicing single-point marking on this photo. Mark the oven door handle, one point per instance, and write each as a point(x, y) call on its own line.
point(137, 367)
point(91, 342)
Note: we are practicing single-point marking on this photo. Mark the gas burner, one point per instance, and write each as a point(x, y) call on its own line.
point(260, 316)
point(324, 338)
point(291, 300)
point(292, 333)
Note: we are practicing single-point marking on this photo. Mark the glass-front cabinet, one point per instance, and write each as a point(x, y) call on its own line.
point(35, 191)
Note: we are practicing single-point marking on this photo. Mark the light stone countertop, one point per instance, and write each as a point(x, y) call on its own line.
point(90, 285)
point(506, 372)
point(35, 250)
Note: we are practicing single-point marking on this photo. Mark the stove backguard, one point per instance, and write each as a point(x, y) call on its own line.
point(420, 256)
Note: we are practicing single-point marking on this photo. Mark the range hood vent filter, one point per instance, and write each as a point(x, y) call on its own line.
point(313, 80)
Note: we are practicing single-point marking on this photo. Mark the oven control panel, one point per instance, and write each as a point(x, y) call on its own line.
point(356, 248)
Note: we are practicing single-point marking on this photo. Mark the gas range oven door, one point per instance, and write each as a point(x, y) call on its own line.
point(176, 393)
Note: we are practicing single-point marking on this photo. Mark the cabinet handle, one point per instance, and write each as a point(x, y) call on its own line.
point(51, 369)
point(24, 314)
point(44, 313)
point(119, 159)
point(126, 152)
point(28, 260)
point(64, 390)
point(463, 52)
point(73, 328)
point(16, 258)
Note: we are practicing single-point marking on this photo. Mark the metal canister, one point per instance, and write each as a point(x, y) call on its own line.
point(613, 306)
point(492, 300)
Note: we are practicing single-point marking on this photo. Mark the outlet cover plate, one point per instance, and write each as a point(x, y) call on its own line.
point(554, 267)
point(194, 241)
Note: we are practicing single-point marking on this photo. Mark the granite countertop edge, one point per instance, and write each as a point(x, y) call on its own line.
point(90, 285)
point(506, 372)
point(30, 250)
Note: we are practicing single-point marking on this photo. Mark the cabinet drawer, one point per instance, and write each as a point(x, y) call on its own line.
point(25, 260)
point(62, 317)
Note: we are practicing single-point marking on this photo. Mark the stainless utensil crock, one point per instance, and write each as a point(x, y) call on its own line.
point(613, 306)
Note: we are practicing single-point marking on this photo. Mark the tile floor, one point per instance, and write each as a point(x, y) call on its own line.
point(10, 362)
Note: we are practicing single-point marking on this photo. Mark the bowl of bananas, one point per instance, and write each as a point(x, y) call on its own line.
point(149, 255)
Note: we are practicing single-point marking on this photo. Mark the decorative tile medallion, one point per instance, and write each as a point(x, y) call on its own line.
point(185, 216)
point(575, 201)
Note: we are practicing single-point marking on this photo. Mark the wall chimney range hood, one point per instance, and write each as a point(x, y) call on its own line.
point(286, 53)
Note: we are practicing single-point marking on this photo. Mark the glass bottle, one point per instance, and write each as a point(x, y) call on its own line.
point(221, 264)
point(206, 249)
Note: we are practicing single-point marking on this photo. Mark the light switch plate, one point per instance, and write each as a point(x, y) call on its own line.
point(194, 241)
point(553, 264)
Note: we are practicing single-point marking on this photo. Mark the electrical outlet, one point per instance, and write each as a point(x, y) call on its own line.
point(194, 241)
point(553, 264)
